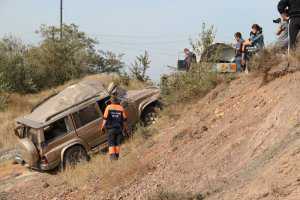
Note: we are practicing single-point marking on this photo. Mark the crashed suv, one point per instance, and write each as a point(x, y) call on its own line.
point(64, 128)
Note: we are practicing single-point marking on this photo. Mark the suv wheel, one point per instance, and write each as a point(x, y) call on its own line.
point(150, 115)
point(74, 156)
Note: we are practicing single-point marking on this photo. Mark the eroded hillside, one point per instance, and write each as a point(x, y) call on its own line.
point(242, 141)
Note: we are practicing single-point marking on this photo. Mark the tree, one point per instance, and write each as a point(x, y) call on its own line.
point(205, 38)
point(25, 68)
point(62, 59)
point(140, 66)
point(107, 62)
point(15, 74)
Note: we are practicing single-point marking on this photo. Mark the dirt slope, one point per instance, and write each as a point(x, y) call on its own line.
point(239, 143)
point(242, 141)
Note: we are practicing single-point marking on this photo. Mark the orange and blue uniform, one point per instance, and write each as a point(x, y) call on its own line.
point(114, 116)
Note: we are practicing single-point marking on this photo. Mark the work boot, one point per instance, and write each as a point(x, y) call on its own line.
point(113, 157)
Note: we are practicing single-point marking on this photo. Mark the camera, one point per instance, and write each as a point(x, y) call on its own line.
point(277, 21)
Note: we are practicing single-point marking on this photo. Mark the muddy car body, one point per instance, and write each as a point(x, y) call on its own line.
point(222, 56)
point(67, 125)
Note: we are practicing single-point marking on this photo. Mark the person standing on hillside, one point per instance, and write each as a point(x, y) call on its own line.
point(114, 122)
point(293, 7)
point(238, 50)
point(190, 58)
point(283, 33)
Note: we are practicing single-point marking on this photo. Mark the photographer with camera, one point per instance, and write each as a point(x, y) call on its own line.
point(293, 7)
point(283, 30)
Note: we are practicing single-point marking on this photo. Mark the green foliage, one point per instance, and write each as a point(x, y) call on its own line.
point(199, 80)
point(140, 66)
point(55, 60)
point(196, 83)
point(110, 62)
point(205, 38)
point(15, 74)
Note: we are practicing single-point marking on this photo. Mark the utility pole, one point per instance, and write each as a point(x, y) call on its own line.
point(61, 19)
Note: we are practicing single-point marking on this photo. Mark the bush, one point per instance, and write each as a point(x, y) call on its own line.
point(139, 68)
point(265, 60)
point(15, 74)
point(205, 39)
point(186, 86)
point(25, 68)
point(182, 86)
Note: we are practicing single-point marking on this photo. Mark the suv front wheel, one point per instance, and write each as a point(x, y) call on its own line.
point(74, 156)
point(150, 115)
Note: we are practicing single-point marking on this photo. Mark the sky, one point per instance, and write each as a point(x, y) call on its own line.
point(162, 27)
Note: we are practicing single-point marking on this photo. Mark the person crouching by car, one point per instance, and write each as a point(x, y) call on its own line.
point(283, 31)
point(238, 50)
point(114, 122)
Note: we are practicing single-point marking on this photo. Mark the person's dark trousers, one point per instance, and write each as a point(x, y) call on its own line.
point(115, 137)
point(294, 28)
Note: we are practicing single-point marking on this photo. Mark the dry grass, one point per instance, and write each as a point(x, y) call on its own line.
point(112, 173)
point(108, 173)
point(17, 105)
point(265, 60)
point(269, 58)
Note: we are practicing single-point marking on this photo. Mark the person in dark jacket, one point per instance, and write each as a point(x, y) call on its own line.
point(114, 122)
point(256, 40)
point(254, 44)
point(293, 7)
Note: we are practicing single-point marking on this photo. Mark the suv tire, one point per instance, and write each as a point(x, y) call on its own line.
point(74, 156)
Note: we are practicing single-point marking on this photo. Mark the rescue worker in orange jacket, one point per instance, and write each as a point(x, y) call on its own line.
point(114, 122)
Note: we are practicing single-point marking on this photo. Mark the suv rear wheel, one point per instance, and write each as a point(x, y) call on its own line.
point(74, 156)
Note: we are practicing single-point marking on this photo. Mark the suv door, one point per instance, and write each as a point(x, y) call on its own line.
point(87, 122)
point(131, 110)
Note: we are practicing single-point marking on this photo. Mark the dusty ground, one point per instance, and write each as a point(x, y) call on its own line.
point(240, 142)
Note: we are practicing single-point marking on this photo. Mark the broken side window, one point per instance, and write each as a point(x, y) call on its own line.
point(56, 129)
point(86, 115)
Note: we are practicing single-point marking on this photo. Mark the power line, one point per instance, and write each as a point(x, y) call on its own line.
point(151, 52)
point(137, 36)
point(144, 43)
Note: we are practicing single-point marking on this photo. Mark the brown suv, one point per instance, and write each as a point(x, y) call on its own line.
point(64, 128)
